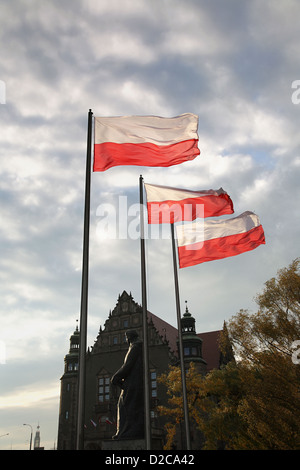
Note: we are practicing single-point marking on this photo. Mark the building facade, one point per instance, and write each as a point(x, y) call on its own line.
point(106, 356)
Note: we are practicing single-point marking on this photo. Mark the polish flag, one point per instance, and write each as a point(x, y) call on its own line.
point(145, 141)
point(214, 239)
point(169, 205)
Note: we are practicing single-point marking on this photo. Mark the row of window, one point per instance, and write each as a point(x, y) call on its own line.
point(116, 339)
point(193, 351)
point(104, 390)
point(187, 351)
point(104, 387)
point(153, 414)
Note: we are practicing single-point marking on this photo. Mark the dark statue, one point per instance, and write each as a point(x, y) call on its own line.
point(130, 417)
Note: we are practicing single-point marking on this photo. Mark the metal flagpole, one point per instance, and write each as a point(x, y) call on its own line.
point(183, 381)
point(84, 292)
point(145, 323)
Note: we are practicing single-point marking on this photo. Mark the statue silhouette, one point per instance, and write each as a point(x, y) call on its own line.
point(130, 417)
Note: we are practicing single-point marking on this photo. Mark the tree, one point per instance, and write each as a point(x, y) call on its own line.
point(213, 419)
point(174, 410)
point(264, 341)
point(252, 402)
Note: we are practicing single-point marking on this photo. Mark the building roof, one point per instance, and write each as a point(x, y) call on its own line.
point(165, 330)
point(211, 349)
point(210, 341)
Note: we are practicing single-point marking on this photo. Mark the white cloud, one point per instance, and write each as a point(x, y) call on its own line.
point(232, 64)
point(139, 95)
point(191, 33)
point(266, 32)
point(121, 45)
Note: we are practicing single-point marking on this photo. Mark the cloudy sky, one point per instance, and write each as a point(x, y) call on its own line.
point(231, 62)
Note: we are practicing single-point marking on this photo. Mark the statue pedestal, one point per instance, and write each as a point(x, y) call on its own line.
point(124, 444)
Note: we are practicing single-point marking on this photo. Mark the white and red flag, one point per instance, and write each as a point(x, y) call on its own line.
point(145, 141)
point(168, 205)
point(214, 239)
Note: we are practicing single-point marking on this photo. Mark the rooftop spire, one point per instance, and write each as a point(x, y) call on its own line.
point(187, 313)
point(37, 439)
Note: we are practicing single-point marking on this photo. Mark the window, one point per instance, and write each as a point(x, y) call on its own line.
point(154, 399)
point(72, 366)
point(125, 323)
point(153, 384)
point(192, 351)
point(103, 389)
point(115, 340)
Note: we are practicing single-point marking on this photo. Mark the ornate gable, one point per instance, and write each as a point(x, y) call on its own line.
point(125, 304)
point(127, 314)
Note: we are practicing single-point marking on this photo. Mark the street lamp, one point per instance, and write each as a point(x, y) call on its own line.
point(30, 434)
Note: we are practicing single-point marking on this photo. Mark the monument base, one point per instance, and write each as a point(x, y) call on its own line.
point(123, 444)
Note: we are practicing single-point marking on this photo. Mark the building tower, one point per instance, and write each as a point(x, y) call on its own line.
point(68, 396)
point(37, 440)
point(192, 343)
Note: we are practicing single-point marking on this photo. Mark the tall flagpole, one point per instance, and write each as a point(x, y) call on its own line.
point(84, 291)
point(183, 381)
point(145, 323)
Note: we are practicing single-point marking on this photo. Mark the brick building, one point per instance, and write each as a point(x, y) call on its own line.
point(106, 356)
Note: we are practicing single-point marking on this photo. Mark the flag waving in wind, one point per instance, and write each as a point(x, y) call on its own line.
point(214, 239)
point(145, 141)
point(169, 205)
